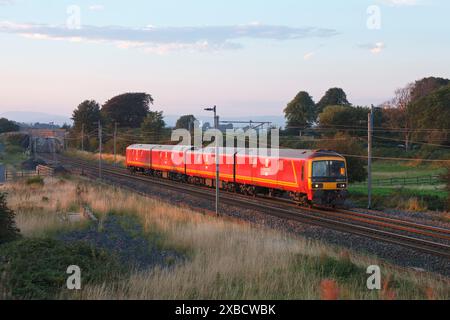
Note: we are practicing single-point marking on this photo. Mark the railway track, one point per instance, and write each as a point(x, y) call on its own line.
point(419, 237)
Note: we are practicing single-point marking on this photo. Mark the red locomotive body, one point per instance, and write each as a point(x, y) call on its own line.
point(307, 176)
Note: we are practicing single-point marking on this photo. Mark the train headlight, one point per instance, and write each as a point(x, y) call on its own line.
point(317, 185)
point(342, 185)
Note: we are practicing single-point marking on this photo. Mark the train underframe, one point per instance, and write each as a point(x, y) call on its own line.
point(332, 198)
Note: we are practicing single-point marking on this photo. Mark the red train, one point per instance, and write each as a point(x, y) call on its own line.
point(307, 176)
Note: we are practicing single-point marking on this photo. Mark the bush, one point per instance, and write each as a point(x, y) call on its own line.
point(347, 145)
point(8, 126)
point(36, 180)
point(8, 229)
point(17, 139)
point(36, 268)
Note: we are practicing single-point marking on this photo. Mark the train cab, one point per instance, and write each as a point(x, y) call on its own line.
point(328, 178)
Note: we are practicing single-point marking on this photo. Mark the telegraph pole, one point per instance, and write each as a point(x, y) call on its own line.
point(216, 126)
point(369, 156)
point(35, 147)
point(53, 144)
point(100, 149)
point(82, 137)
point(115, 140)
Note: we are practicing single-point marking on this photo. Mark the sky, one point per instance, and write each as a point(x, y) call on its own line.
point(247, 57)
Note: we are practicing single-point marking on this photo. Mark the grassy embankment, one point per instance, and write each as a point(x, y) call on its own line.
point(12, 155)
point(222, 258)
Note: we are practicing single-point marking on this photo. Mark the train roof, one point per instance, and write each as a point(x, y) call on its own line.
point(283, 153)
point(142, 146)
point(149, 147)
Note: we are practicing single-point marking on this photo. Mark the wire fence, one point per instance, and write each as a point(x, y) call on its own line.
point(404, 181)
point(42, 171)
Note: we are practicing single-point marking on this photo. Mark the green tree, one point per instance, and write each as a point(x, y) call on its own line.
point(347, 119)
point(128, 110)
point(350, 146)
point(344, 118)
point(425, 86)
point(333, 97)
point(8, 229)
point(88, 114)
point(341, 117)
point(300, 112)
point(432, 112)
point(153, 126)
point(185, 122)
point(400, 112)
point(8, 126)
point(397, 115)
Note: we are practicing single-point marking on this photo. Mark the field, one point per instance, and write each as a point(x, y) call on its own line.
point(432, 196)
point(145, 249)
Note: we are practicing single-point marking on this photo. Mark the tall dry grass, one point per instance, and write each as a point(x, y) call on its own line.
point(224, 259)
point(41, 208)
point(232, 260)
point(90, 156)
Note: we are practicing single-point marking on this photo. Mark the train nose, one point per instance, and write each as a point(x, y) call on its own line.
point(330, 197)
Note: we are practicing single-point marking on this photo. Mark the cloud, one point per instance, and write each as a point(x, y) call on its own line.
point(97, 7)
point(165, 39)
point(401, 3)
point(309, 55)
point(6, 2)
point(375, 48)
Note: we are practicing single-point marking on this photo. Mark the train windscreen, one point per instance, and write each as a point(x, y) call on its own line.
point(328, 169)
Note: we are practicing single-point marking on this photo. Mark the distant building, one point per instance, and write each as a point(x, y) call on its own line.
point(58, 134)
point(46, 140)
point(222, 127)
point(206, 126)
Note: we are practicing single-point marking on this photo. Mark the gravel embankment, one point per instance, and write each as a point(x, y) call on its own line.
point(125, 238)
point(433, 218)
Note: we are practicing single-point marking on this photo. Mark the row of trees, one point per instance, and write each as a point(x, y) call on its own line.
point(8, 126)
point(419, 113)
point(420, 110)
point(130, 113)
point(127, 110)
point(302, 112)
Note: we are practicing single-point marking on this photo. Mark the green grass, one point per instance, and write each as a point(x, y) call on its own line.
point(37, 180)
point(13, 156)
point(36, 268)
point(419, 191)
point(400, 198)
point(431, 196)
point(392, 169)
